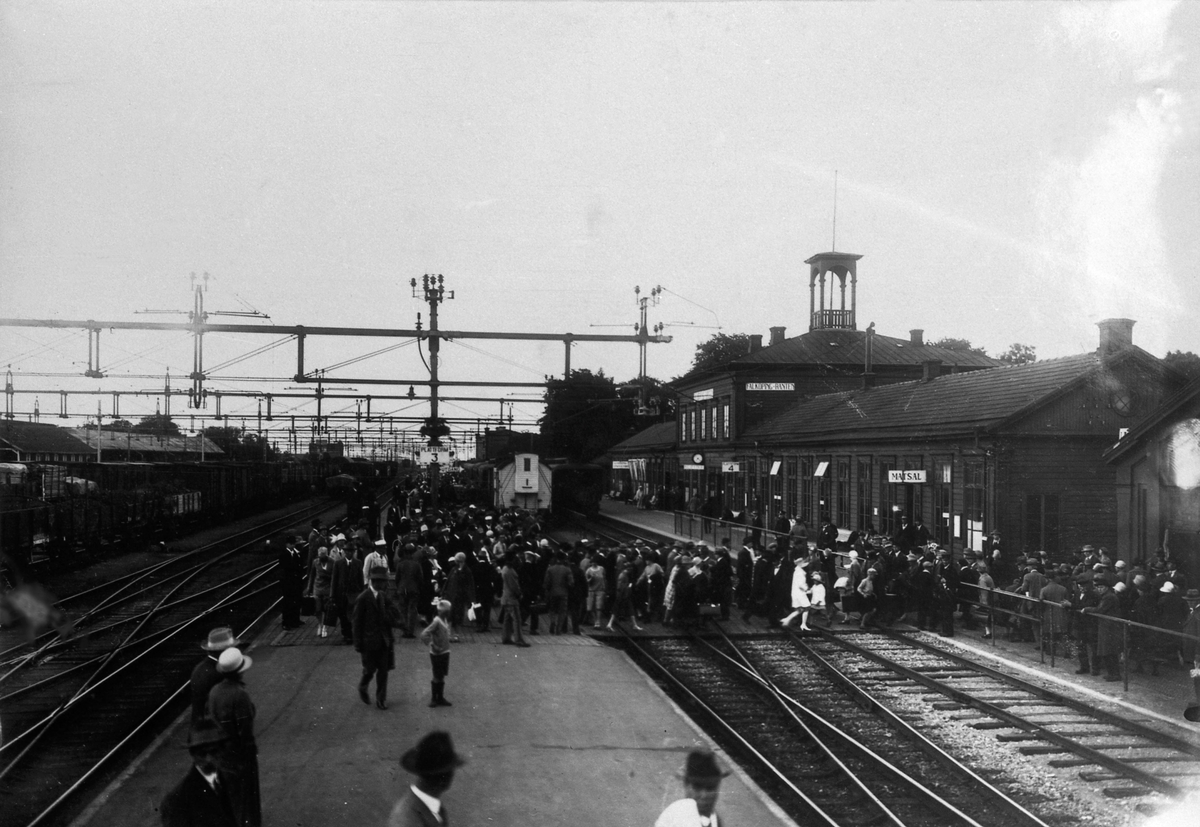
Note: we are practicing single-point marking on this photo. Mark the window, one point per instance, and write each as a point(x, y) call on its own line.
point(704, 422)
point(914, 493)
point(725, 420)
point(806, 489)
point(1041, 523)
point(692, 425)
point(974, 497)
point(713, 422)
point(942, 504)
point(842, 501)
point(528, 465)
point(791, 493)
point(865, 500)
point(888, 507)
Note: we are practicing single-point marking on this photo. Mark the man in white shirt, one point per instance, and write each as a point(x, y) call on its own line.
point(701, 786)
point(433, 761)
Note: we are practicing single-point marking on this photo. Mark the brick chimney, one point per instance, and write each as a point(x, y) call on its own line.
point(932, 369)
point(777, 335)
point(1115, 335)
point(916, 336)
point(755, 342)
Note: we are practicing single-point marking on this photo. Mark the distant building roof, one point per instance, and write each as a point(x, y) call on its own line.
point(39, 438)
point(134, 441)
point(660, 437)
point(956, 402)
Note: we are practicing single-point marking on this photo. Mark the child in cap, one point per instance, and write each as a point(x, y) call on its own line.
point(437, 637)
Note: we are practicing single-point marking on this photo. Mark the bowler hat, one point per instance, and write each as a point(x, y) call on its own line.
point(378, 573)
point(220, 639)
point(701, 765)
point(206, 733)
point(433, 754)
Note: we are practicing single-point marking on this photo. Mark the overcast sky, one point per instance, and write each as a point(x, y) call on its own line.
point(1010, 172)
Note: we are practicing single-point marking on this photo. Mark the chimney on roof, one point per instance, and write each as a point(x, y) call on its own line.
point(755, 342)
point(777, 335)
point(933, 369)
point(916, 336)
point(1115, 336)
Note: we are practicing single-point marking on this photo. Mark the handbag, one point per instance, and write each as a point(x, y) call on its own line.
point(308, 605)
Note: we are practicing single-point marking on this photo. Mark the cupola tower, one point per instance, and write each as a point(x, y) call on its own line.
point(828, 274)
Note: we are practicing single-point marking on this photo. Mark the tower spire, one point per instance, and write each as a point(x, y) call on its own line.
point(835, 176)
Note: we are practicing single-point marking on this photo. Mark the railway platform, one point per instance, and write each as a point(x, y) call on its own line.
point(565, 731)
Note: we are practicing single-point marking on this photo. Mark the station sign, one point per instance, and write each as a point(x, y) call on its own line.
point(770, 386)
point(620, 465)
point(701, 396)
point(731, 467)
point(906, 476)
point(428, 457)
point(690, 466)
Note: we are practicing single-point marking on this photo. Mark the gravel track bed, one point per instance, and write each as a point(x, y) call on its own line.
point(1059, 794)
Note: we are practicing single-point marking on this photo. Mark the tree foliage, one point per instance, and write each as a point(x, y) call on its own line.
point(158, 423)
point(1185, 362)
point(1018, 354)
point(238, 444)
point(951, 343)
point(586, 415)
point(719, 350)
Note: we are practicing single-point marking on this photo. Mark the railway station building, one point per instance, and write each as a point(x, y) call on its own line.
point(865, 430)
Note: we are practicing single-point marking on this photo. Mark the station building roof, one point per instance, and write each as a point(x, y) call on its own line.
point(142, 443)
point(842, 347)
point(659, 437)
point(963, 402)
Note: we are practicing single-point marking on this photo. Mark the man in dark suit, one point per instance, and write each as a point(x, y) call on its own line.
point(202, 798)
point(291, 581)
point(433, 761)
point(372, 628)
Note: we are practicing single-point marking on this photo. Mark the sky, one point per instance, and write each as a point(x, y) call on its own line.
point(1010, 172)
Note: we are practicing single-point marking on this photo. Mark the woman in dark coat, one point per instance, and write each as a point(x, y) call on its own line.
point(229, 705)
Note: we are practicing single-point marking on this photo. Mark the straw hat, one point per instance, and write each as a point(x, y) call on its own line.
point(220, 639)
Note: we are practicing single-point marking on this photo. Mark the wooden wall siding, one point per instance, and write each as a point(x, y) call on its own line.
point(1090, 408)
point(1072, 469)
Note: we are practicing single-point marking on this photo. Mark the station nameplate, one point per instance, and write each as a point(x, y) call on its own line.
point(770, 386)
point(906, 476)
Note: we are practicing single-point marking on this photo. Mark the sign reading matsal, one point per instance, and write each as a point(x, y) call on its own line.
point(770, 386)
point(700, 396)
point(906, 476)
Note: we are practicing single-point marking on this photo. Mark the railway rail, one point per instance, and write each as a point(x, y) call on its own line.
point(72, 704)
point(1133, 758)
point(818, 770)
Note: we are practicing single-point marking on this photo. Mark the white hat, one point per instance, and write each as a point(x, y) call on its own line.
point(381, 542)
point(1167, 587)
point(232, 660)
point(854, 555)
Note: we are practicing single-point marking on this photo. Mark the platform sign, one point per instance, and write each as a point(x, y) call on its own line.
point(688, 466)
point(701, 396)
point(429, 456)
point(620, 465)
point(906, 476)
point(731, 467)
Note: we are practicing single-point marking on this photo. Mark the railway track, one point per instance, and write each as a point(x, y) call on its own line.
point(1126, 757)
point(71, 705)
point(819, 771)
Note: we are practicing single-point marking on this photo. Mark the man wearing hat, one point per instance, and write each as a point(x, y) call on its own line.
point(701, 785)
point(373, 639)
point(205, 676)
point(433, 761)
point(291, 582)
point(1108, 633)
point(204, 797)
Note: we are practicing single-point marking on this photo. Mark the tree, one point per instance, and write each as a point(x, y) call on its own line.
point(1018, 354)
point(585, 416)
point(720, 350)
point(1186, 363)
point(157, 424)
point(950, 343)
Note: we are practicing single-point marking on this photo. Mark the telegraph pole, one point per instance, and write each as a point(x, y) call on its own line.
point(434, 292)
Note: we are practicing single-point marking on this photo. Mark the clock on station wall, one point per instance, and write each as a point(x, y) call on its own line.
point(697, 459)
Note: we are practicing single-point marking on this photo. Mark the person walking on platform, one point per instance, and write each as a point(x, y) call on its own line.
point(373, 637)
point(291, 582)
point(437, 637)
point(344, 590)
point(203, 797)
point(1108, 633)
point(320, 587)
point(230, 707)
point(408, 587)
point(434, 762)
point(510, 603)
point(557, 585)
point(701, 786)
point(597, 583)
point(205, 676)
